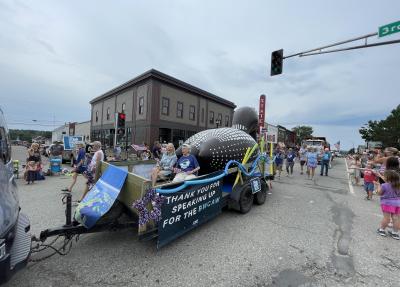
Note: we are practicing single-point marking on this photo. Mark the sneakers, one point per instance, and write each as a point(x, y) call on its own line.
point(381, 232)
point(394, 235)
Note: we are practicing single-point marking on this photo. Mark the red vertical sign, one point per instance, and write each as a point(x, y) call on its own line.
point(261, 113)
point(71, 129)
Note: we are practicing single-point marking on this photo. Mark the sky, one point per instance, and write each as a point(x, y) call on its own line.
point(55, 56)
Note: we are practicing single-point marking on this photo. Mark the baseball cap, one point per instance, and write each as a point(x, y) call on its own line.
point(186, 145)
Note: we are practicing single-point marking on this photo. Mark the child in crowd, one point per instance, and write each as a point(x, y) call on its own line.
point(390, 203)
point(355, 166)
point(31, 168)
point(369, 178)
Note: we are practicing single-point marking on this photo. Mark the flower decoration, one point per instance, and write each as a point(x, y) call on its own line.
point(156, 202)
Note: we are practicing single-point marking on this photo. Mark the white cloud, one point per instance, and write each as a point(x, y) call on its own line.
point(74, 51)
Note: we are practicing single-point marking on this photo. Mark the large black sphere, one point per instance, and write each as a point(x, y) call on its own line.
point(215, 147)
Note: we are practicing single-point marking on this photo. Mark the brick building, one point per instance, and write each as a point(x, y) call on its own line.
point(157, 107)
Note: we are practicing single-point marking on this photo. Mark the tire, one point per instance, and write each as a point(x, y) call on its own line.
point(261, 196)
point(246, 199)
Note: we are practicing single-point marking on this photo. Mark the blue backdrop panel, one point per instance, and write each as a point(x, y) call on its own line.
point(101, 197)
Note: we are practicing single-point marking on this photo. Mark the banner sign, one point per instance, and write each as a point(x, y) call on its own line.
point(101, 197)
point(183, 211)
point(272, 134)
point(261, 113)
point(70, 141)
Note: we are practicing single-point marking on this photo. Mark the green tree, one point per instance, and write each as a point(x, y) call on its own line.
point(302, 133)
point(27, 135)
point(386, 131)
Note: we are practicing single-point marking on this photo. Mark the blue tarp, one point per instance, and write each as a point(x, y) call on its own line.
point(101, 197)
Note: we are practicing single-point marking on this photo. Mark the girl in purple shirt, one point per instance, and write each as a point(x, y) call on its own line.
point(390, 203)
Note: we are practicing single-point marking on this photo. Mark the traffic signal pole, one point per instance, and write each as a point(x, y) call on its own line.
point(320, 49)
point(277, 60)
point(115, 130)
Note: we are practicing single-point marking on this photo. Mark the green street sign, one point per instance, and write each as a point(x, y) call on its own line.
point(389, 29)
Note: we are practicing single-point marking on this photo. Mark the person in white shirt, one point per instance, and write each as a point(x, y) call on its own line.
point(98, 156)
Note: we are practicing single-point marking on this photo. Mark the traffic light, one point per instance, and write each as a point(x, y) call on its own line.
point(276, 62)
point(121, 124)
point(121, 120)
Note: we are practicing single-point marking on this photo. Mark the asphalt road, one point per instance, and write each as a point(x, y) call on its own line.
point(308, 233)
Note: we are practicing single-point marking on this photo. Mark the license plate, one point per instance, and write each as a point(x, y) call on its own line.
point(255, 184)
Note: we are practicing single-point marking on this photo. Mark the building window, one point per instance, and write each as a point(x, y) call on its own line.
point(202, 115)
point(219, 120)
point(192, 113)
point(123, 108)
point(108, 114)
point(227, 121)
point(190, 133)
point(141, 105)
point(165, 106)
point(211, 117)
point(179, 110)
point(97, 116)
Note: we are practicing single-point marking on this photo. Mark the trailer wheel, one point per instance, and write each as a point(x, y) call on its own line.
point(261, 196)
point(246, 199)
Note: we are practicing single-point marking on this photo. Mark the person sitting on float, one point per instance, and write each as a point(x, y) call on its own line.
point(164, 166)
point(187, 165)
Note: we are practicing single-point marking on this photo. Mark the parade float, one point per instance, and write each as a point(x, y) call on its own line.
point(233, 175)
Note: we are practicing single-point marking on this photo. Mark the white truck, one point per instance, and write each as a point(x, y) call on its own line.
point(319, 143)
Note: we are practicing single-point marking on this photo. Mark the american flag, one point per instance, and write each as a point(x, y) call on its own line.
point(337, 145)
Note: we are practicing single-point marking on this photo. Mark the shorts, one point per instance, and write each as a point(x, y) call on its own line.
point(182, 176)
point(89, 176)
point(390, 209)
point(279, 166)
point(302, 162)
point(164, 173)
point(312, 165)
point(369, 186)
point(80, 170)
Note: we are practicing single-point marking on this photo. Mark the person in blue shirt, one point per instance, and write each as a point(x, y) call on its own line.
point(278, 160)
point(80, 164)
point(187, 165)
point(290, 157)
point(325, 159)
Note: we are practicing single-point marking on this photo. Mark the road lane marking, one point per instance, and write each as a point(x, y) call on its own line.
point(348, 178)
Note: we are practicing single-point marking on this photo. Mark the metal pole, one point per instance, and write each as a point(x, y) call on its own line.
point(115, 129)
point(352, 48)
point(68, 209)
point(332, 45)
